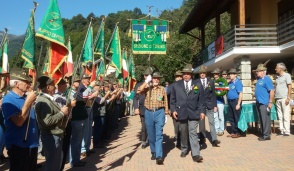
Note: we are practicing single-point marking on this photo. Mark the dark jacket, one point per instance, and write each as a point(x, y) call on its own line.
point(207, 95)
point(187, 106)
point(139, 99)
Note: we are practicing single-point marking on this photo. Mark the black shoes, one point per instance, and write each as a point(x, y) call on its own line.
point(144, 146)
point(159, 160)
point(153, 157)
point(197, 158)
point(183, 154)
point(215, 143)
point(264, 138)
point(80, 164)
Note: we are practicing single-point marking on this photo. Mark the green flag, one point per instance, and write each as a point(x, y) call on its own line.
point(28, 48)
point(116, 52)
point(87, 55)
point(100, 50)
point(51, 27)
point(132, 75)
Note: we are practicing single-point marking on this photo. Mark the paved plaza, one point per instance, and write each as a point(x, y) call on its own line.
point(124, 153)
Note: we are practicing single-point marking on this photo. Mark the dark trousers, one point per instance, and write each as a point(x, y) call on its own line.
point(234, 116)
point(98, 130)
point(66, 144)
point(115, 116)
point(176, 124)
point(265, 119)
point(144, 133)
point(22, 159)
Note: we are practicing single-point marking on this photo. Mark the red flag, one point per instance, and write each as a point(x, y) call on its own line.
point(57, 65)
point(93, 74)
point(219, 45)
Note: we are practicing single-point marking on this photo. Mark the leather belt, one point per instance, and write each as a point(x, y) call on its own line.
point(154, 110)
point(232, 100)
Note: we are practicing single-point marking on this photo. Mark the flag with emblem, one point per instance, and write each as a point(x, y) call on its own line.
point(132, 74)
point(28, 48)
point(51, 29)
point(115, 49)
point(100, 50)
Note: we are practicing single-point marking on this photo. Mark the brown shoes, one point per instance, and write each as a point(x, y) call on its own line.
point(236, 136)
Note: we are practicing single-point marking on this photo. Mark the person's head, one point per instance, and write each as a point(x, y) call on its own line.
point(147, 72)
point(280, 68)
point(260, 71)
point(178, 75)
point(216, 73)
point(156, 79)
point(114, 85)
point(202, 71)
point(46, 85)
point(187, 72)
point(233, 74)
point(20, 82)
point(106, 87)
point(224, 74)
point(166, 84)
point(61, 86)
point(96, 87)
point(86, 80)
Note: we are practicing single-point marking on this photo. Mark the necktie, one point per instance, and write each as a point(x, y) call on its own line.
point(187, 88)
point(203, 83)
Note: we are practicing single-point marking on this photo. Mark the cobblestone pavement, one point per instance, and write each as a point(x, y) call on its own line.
point(124, 153)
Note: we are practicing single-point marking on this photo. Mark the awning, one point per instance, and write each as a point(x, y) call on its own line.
point(203, 11)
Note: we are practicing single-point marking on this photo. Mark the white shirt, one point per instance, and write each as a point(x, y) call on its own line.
point(205, 82)
point(189, 84)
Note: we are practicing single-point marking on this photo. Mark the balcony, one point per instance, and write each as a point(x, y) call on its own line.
point(245, 38)
point(285, 30)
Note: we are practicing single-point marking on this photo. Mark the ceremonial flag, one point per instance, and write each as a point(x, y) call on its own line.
point(87, 55)
point(115, 49)
point(51, 29)
point(70, 66)
point(100, 50)
point(132, 74)
point(124, 65)
point(5, 63)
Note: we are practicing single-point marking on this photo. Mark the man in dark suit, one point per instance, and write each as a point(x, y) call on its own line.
point(207, 94)
point(139, 109)
point(187, 108)
point(179, 76)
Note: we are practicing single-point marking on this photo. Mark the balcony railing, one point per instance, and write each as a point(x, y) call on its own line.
point(252, 35)
point(285, 30)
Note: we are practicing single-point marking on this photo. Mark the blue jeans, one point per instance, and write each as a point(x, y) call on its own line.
point(219, 120)
point(154, 123)
point(76, 141)
point(98, 129)
point(1, 137)
point(86, 143)
point(52, 146)
point(114, 120)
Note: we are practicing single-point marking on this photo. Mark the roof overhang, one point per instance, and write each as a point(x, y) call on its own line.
point(203, 11)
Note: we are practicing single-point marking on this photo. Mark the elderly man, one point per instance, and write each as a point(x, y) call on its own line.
point(176, 123)
point(207, 94)
point(81, 92)
point(139, 109)
point(264, 93)
point(283, 96)
point(235, 95)
point(20, 122)
point(188, 109)
point(156, 106)
point(51, 120)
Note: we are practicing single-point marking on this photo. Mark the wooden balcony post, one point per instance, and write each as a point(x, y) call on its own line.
point(241, 12)
point(203, 37)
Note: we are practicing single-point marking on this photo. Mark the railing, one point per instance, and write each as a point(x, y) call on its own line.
point(252, 35)
point(285, 30)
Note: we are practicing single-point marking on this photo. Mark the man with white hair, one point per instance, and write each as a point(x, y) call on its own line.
point(21, 136)
point(282, 96)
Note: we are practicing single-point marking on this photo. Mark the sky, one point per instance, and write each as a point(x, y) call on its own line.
point(14, 14)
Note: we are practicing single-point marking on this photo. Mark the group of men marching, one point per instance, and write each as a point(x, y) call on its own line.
point(60, 116)
point(189, 101)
